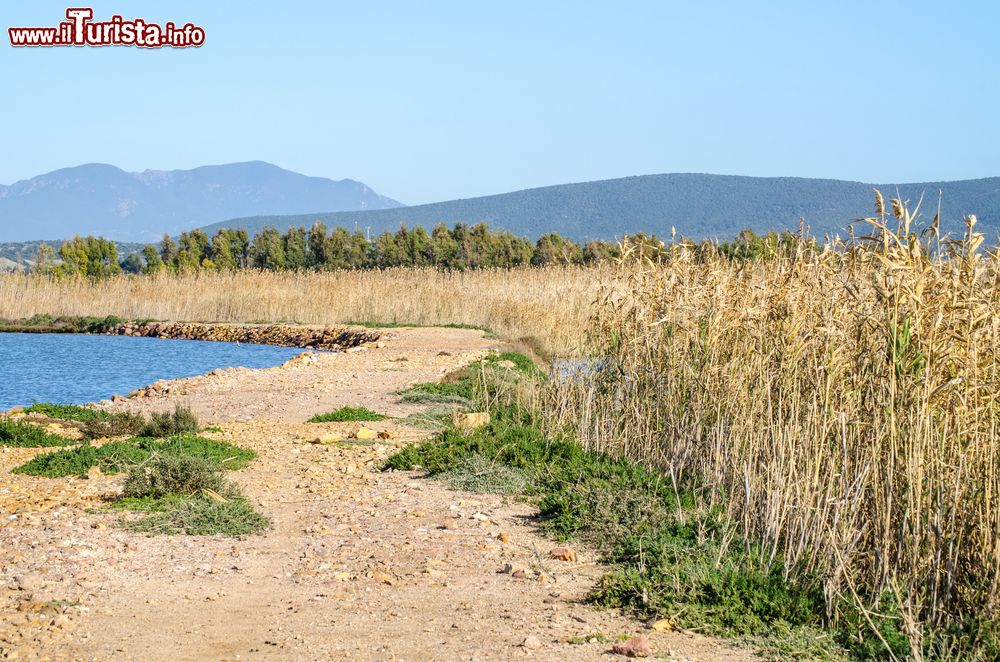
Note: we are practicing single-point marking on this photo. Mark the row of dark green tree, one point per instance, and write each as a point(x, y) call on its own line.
point(461, 247)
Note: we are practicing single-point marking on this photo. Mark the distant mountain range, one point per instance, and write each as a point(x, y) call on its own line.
point(141, 206)
point(698, 206)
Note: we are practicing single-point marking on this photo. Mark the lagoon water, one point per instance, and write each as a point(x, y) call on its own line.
point(75, 369)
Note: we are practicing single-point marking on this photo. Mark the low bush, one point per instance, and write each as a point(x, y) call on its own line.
point(27, 435)
point(165, 424)
point(166, 474)
point(159, 424)
point(202, 516)
point(121, 424)
point(117, 456)
point(186, 495)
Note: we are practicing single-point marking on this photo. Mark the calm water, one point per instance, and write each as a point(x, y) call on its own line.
point(68, 368)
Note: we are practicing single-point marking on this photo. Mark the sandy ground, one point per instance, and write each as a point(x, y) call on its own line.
point(359, 565)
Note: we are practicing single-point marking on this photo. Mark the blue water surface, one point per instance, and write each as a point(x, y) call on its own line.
point(76, 369)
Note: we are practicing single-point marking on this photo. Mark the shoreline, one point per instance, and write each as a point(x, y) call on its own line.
point(329, 337)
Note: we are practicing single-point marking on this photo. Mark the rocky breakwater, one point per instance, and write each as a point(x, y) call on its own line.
point(283, 335)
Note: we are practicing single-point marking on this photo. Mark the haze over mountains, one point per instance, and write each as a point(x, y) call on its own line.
point(141, 207)
point(104, 200)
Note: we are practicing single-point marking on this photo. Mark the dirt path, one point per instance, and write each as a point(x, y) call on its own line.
point(360, 565)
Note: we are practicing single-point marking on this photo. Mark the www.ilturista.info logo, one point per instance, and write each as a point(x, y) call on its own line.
point(81, 30)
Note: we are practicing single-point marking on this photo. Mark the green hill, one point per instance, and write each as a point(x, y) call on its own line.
point(697, 205)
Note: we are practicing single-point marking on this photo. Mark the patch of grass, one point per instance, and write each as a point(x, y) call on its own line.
point(432, 393)
point(348, 414)
point(201, 516)
point(460, 387)
point(186, 495)
point(67, 412)
point(116, 456)
point(149, 504)
point(522, 364)
point(479, 474)
point(22, 434)
point(179, 486)
point(435, 418)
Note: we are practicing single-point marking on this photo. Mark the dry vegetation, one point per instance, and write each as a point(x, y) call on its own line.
point(545, 307)
point(838, 405)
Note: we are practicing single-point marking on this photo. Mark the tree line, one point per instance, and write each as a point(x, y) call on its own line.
point(461, 247)
point(317, 249)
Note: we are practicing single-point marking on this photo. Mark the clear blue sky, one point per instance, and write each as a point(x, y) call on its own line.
point(430, 100)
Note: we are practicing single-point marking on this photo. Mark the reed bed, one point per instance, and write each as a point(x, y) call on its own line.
point(838, 404)
point(544, 307)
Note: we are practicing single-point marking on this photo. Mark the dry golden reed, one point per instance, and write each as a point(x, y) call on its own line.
point(545, 307)
point(840, 404)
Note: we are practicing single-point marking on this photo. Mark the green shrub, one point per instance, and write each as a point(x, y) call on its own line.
point(26, 435)
point(168, 474)
point(120, 424)
point(160, 424)
point(165, 424)
point(348, 414)
point(67, 412)
point(117, 456)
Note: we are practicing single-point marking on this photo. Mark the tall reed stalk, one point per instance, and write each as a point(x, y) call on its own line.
point(545, 307)
point(839, 403)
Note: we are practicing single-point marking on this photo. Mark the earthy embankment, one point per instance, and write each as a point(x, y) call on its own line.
point(359, 565)
point(283, 335)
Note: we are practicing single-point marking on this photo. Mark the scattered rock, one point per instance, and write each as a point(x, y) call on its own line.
point(531, 642)
point(383, 578)
point(284, 335)
point(471, 421)
point(662, 625)
point(635, 647)
point(30, 582)
point(364, 433)
point(563, 554)
point(510, 569)
point(329, 438)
